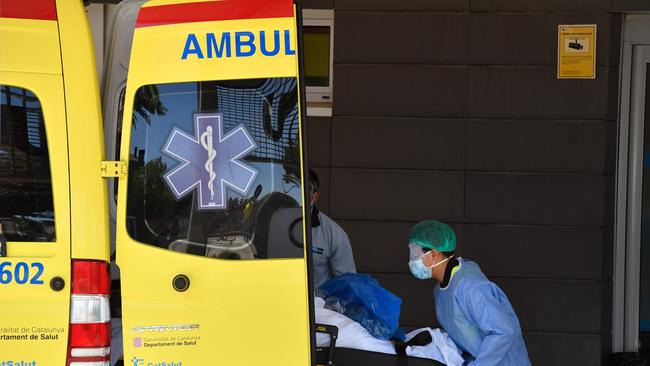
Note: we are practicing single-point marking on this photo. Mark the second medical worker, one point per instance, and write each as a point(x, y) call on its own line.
point(332, 253)
point(472, 309)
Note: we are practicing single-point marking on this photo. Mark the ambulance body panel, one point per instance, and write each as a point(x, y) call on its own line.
point(31, 61)
point(85, 134)
point(213, 95)
point(51, 194)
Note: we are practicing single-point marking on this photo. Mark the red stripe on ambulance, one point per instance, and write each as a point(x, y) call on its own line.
point(213, 10)
point(28, 9)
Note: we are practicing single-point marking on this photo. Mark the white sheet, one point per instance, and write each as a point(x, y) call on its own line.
point(441, 348)
point(353, 335)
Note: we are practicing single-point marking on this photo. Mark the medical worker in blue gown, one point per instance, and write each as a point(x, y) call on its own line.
point(472, 310)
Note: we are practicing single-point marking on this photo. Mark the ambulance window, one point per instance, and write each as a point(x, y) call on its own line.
point(215, 169)
point(26, 207)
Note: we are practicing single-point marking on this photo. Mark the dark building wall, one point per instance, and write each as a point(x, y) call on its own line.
point(451, 110)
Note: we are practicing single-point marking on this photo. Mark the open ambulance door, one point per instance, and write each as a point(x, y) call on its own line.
point(210, 213)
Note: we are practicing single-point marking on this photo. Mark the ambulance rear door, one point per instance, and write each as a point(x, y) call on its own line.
point(210, 214)
point(34, 187)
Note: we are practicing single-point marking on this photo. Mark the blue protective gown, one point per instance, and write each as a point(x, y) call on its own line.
point(479, 318)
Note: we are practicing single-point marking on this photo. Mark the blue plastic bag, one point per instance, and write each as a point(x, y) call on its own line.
point(360, 298)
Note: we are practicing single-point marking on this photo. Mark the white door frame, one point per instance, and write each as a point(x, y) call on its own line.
point(635, 56)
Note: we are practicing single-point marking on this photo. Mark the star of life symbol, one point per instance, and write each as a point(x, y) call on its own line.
point(209, 161)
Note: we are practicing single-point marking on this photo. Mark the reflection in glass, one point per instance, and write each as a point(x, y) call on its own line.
point(26, 206)
point(257, 224)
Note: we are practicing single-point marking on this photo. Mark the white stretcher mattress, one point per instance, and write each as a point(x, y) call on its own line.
point(353, 335)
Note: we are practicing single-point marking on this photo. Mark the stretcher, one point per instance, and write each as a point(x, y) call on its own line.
point(337, 356)
point(355, 357)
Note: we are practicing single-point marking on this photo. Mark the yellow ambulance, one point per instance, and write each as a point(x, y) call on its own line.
point(209, 226)
point(209, 214)
point(54, 280)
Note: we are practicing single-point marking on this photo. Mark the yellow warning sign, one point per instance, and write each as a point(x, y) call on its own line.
point(576, 51)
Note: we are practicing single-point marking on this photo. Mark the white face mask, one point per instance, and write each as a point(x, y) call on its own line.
point(419, 270)
point(417, 266)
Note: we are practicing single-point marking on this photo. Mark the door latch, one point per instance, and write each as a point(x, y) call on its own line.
point(113, 169)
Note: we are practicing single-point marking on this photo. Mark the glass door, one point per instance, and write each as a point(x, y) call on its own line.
point(637, 262)
point(644, 264)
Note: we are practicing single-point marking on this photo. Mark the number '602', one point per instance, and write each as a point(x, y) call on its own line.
point(21, 273)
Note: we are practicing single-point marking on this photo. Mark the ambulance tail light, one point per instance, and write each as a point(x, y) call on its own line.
point(90, 317)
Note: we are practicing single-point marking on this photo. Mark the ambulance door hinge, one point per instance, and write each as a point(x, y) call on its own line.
point(113, 169)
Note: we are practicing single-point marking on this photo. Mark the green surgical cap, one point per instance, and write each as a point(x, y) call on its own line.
point(432, 234)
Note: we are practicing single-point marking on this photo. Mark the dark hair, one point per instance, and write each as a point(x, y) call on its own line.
point(448, 254)
point(313, 179)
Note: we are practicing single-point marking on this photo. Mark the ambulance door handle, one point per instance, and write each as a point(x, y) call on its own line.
point(181, 283)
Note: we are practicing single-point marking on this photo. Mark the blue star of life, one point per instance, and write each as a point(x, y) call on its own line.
point(209, 161)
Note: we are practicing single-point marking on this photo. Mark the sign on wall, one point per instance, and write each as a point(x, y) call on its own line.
point(576, 51)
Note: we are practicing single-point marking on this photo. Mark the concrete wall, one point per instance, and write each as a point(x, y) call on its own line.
point(450, 109)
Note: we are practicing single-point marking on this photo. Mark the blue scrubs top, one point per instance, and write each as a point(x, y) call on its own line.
point(479, 318)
